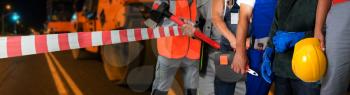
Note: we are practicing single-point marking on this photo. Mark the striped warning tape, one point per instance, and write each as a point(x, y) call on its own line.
point(13, 46)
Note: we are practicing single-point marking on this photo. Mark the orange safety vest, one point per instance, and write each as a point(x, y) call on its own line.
point(181, 46)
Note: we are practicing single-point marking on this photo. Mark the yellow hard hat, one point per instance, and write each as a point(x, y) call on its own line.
point(309, 62)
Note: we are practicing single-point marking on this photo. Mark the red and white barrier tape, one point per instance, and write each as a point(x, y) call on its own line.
point(13, 46)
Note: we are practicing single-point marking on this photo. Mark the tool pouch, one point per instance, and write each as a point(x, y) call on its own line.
point(223, 61)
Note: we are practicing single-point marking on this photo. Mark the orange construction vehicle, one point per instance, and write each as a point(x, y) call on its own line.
point(101, 15)
point(124, 63)
point(59, 16)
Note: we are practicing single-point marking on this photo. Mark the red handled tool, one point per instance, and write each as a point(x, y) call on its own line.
point(162, 10)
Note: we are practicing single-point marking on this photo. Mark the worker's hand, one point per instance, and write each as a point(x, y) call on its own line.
point(233, 45)
point(240, 62)
point(188, 28)
point(319, 35)
point(247, 43)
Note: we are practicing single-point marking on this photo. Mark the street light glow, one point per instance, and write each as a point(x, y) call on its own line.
point(8, 7)
point(15, 17)
point(74, 16)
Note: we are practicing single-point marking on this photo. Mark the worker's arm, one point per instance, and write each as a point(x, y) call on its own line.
point(321, 15)
point(240, 59)
point(219, 23)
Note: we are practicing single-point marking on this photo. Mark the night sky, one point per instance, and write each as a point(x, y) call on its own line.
point(32, 12)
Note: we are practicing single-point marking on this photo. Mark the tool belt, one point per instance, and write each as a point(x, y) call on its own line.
point(223, 61)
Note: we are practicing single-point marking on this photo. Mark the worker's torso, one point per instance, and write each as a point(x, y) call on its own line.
point(293, 16)
point(181, 46)
point(296, 15)
point(230, 16)
point(263, 14)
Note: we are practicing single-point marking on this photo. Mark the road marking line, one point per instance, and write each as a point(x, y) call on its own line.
point(57, 79)
point(69, 80)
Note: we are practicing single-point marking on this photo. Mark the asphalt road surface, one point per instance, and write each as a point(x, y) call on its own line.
point(57, 74)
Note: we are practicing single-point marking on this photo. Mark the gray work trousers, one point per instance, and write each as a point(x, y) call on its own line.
point(166, 70)
point(337, 78)
point(206, 83)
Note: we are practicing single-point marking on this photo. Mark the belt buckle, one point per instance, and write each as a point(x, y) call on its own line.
point(261, 43)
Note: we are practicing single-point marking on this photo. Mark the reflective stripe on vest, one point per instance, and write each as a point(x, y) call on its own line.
point(181, 46)
point(263, 14)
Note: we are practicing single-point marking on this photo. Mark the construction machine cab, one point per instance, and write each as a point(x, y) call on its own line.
point(59, 15)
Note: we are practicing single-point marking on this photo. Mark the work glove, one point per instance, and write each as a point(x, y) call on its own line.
point(266, 71)
point(284, 40)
